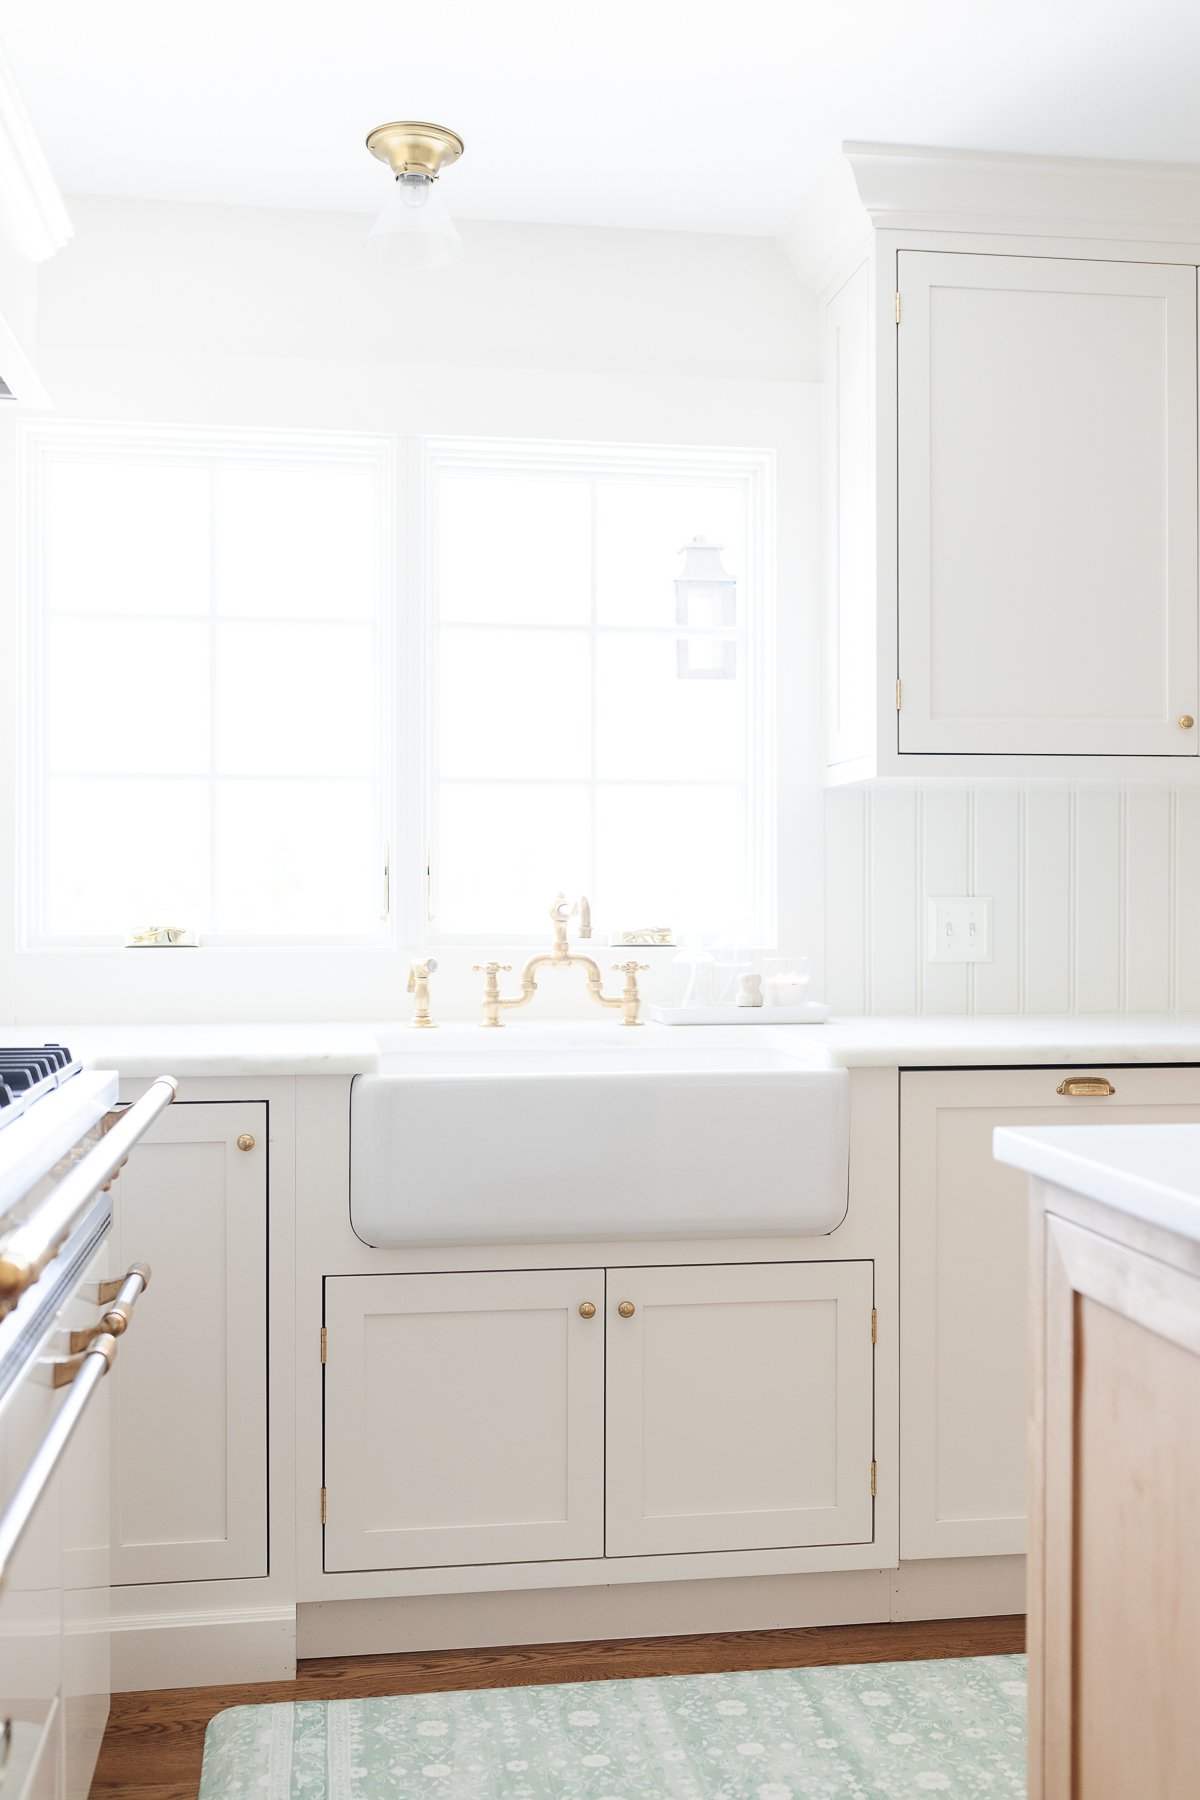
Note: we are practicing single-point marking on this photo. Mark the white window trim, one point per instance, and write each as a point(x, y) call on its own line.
point(756, 470)
point(44, 440)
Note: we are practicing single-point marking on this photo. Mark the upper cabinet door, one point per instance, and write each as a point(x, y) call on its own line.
point(1047, 506)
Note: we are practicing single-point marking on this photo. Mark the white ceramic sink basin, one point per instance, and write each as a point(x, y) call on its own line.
point(547, 1134)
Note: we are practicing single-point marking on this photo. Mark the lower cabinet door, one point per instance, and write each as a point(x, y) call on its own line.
point(739, 1407)
point(464, 1418)
point(189, 1388)
point(964, 1275)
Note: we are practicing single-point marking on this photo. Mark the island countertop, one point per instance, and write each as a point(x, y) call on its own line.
point(1150, 1172)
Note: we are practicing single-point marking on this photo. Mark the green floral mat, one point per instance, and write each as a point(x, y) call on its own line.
point(894, 1729)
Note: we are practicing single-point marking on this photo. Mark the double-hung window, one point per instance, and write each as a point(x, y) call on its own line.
point(242, 689)
point(207, 632)
point(601, 654)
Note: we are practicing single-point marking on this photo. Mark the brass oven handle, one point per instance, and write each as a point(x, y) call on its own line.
point(119, 1298)
point(25, 1251)
point(94, 1365)
point(1081, 1087)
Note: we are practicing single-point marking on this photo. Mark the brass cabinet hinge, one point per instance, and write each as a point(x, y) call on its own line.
point(874, 1326)
point(324, 1343)
point(323, 1498)
point(874, 1466)
point(897, 308)
point(897, 693)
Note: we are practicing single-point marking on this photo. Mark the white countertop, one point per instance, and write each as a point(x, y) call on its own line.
point(319, 1049)
point(946, 1040)
point(1151, 1172)
point(924, 1041)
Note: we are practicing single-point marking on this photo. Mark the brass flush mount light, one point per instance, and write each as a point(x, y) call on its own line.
point(414, 229)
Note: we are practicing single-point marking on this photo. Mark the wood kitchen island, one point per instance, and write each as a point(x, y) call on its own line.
point(1114, 1551)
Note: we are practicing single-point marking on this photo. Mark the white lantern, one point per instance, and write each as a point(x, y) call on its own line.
point(705, 603)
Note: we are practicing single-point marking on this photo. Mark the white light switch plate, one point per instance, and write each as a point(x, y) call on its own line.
point(960, 930)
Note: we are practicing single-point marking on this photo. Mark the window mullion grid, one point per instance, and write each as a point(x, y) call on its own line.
point(38, 641)
point(212, 693)
point(593, 696)
point(39, 701)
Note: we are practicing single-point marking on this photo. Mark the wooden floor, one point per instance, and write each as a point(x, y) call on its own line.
point(154, 1743)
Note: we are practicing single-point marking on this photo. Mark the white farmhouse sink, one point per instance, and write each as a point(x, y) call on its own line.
point(547, 1133)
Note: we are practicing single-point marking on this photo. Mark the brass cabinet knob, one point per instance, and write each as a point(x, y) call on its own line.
point(587, 1310)
point(627, 1309)
point(245, 1141)
point(1186, 721)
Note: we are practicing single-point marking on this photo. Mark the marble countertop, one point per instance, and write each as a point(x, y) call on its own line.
point(196, 1050)
point(924, 1041)
point(1150, 1172)
point(945, 1040)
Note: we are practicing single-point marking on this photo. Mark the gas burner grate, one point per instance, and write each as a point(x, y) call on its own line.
point(29, 1072)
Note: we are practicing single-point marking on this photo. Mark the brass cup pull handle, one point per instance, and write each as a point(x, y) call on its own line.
point(1085, 1087)
point(627, 1309)
point(587, 1310)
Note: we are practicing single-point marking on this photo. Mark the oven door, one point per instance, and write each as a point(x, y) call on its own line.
point(83, 1478)
point(54, 1591)
point(31, 1602)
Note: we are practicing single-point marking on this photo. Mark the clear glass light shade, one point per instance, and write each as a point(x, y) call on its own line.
point(414, 230)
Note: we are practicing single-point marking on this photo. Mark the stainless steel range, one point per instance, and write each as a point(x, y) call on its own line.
point(63, 1142)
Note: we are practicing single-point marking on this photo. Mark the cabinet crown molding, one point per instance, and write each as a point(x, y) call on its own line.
point(33, 216)
point(912, 188)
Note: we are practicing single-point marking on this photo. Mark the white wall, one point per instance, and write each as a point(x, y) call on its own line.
point(1095, 889)
point(244, 282)
point(236, 316)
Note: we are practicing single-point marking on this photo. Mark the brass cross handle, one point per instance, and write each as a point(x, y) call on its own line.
point(492, 1003)
point(630, 1002)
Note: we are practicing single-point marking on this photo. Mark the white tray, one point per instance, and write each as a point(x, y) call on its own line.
point(812, 1012)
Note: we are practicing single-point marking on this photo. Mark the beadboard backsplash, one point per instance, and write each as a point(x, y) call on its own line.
point(1095, 898)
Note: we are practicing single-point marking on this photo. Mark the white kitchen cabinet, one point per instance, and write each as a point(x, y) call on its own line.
point(189, 1499)
point(739, 1413)
point(963, 1283)
point(464, 1418)
point(1047, 506)
point(484, 1418)
point(1010, 469)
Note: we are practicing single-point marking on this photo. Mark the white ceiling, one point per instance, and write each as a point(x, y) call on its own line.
point(702, 115)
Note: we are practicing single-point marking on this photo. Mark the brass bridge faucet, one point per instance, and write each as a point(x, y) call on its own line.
point(562, 957)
